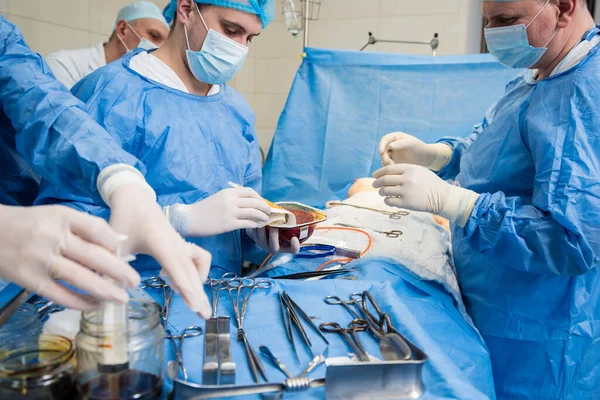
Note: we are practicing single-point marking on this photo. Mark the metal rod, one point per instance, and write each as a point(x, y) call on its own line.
point(306, 19)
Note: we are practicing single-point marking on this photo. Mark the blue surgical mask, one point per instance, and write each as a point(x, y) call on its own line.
point(219, 58)
point(510, 44)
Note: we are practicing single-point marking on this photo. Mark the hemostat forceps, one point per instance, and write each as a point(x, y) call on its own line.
point(240, 291)
point(391, 214)
point(156, 282)
point(216, 286)
point(190, 331)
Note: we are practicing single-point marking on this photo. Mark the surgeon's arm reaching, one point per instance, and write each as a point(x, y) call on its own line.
point(67, 147)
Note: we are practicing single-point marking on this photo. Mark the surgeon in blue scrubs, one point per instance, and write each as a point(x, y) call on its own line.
point(525, 205)
point(171, 108)
point(45, 132)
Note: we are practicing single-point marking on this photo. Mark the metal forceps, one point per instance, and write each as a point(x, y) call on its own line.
point(393, 234)
point(216, 286)
point(244, 288)
point(190, 331)
point(393, 215)
point(349, 335)
point(156, 282)
point(354, 301)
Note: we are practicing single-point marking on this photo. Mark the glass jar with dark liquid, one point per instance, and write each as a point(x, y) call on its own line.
point(142, 376)
point(42, 368)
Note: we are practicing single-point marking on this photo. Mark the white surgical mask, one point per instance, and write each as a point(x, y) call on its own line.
point(510, 44)
point(219, 58)
point(145, 44)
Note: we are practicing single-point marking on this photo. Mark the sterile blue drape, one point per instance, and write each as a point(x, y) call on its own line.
point(343, 102)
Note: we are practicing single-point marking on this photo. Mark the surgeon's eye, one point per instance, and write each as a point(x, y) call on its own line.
point(506, 20)
point(231, 31)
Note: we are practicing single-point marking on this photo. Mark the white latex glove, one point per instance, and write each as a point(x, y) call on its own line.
point(402, 148)
point(39, 245)
point(270, 242)
point(416, 188)
point(134, 212)
point(225, 211)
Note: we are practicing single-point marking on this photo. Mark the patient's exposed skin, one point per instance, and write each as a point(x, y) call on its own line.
point(366, 185)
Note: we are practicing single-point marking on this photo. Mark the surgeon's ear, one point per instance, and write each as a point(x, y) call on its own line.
point(184, 10)
point(567, 9)
point(121, 28)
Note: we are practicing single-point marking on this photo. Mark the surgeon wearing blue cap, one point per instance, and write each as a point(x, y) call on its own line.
point(525, 205)
point(172, 109)
point(140, 24)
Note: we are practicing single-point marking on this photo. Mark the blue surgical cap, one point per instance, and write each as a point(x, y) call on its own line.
point(265, 9)
point(141, 9)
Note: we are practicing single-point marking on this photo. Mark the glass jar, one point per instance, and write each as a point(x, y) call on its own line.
point(143, 377)
point(24, 323)
point(43, 369)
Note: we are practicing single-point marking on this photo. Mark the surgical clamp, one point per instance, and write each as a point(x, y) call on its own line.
point(393, 215)
point(241, 286)
point(349, 335)
point(190, 331)
point(156, 282)
point(336, 300)
point(216, 286)
point(393, 234)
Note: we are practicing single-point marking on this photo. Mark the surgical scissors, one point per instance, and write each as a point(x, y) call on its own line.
point(216, 286)
point(156, 282)
point(393, 234)
point(349, 335)
point(393, 215)
point(190, 331)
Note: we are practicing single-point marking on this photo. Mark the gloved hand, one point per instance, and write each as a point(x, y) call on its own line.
point(416, 188)
point(270, 242)
point(41, 244)
point(134, 212)
point(402, 148)
point(225, 211)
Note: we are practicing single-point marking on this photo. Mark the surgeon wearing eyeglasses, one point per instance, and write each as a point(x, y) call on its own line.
point(525, 205)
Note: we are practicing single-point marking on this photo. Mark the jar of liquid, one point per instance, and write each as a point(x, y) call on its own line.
point(142, 377)
point(24, 323)
point(42, 369)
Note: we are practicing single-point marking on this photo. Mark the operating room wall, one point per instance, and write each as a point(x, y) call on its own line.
point(265, 79)
point(275, 55)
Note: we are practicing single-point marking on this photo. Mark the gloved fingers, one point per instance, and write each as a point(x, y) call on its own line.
point(386, 159)
point(257, 204)
point(395, 202)
point(392, 191)
point(63, 296)
point(252, 215)
point(396, 169)
point(202, 260)
point(82, 278)
point(93, 230)
point(388, 139)
point(389, 180)
point(261, 238)
point(101, 260)
point(246, 192)
point(273, 241)
point(293, 248)
point(176, 262)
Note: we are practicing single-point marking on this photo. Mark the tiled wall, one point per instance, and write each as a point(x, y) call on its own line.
point(275, 55)
point(265, 80)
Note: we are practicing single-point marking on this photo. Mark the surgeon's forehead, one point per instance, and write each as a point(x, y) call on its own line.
point(495, 9)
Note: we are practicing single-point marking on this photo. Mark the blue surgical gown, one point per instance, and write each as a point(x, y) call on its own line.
point(191, 145)
point(527, 258)
point(45, 127)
